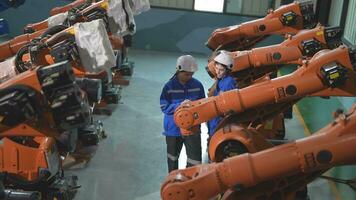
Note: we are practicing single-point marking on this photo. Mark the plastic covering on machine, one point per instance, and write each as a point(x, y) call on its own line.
point(94, 46)
point(57, 19)
point(139, 6)
point(7, 69)
point(121, 18)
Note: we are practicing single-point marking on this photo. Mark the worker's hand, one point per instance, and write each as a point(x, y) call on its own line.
point(186, 103)
point(192, 131)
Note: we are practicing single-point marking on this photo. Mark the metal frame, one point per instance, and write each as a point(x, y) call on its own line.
point(321, 13)
point(344, 14)
point(343, 22)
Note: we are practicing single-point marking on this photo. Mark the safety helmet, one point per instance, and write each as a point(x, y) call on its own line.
point(224, 58)
point(187, 63)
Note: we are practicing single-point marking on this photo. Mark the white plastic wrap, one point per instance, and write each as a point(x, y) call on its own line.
point(7, 69)
point(94, 47)
point(139, 6)
point(57, 19)
point(121, 18)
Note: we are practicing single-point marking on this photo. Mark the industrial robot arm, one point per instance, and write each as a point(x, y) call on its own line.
point(250, 65)
point(36, 108)
point(94, 11)
point(84, 12)
point(328, 73)
point(290, 19)
point(327, 148)
point(10, 48)
point(67, 105)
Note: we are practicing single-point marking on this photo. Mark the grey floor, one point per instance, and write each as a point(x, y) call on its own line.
point(131, 163)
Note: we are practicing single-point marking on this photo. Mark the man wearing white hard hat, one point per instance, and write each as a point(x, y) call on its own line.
point(181, 87)
point(224, 82)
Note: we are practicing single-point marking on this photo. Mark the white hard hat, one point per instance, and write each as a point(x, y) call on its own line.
point(187, 63)
point(224, 58)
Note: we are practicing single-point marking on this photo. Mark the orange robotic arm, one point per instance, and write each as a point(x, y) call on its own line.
point(84, 12)
point(287, 19)
point(10, 48)
point(67, 103)
point(252, 64)
point(36, 107)
point(327, 148)
point(329, 73)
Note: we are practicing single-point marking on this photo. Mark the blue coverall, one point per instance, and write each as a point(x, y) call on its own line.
point(224, 84)
point(173, 94)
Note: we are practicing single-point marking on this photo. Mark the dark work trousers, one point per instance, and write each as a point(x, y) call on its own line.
point(192, 145)
point(207, 149)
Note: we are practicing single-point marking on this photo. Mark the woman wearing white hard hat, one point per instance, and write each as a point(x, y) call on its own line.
point(225, 82)
point(181, 87)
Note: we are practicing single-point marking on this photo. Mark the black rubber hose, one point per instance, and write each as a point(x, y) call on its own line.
point(57, 38)
point(93, 10)
point(53, 30)
point(19, 64)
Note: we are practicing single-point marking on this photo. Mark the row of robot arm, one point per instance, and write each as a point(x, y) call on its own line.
point(45, 112)
point(253, 64)
point(78, 11)
point(48, 92)
point(328, 73)
point(17, 45)
point(40, 30)
point(322, 73)
point(327, 148)
point(50, 50)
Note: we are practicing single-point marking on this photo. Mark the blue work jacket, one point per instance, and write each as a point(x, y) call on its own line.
point(224, 84)
point(173, 94)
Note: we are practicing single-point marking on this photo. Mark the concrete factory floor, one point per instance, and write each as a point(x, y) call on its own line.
point(131, 163)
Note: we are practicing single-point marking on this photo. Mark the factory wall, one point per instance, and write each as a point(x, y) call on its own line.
point(182, 30)
point(31, 11)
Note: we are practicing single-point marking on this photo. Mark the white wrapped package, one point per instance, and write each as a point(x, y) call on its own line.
point(140, 6)
point(94, 47)
point(7, 69)
point(121, 19)
point(57, 19)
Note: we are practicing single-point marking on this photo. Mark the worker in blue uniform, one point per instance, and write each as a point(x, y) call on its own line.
point(181, 88)
point(224, 82)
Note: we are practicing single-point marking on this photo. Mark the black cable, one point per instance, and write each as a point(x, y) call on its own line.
point(53, 30)
point(19, 64)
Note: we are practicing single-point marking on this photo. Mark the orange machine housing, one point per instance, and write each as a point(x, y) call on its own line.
point(10, 48)
point(31, 121)
point(25, 159)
